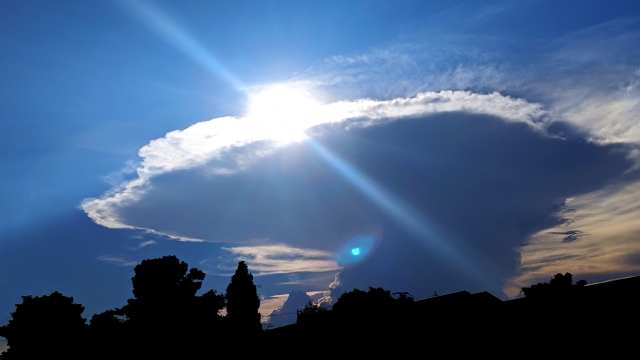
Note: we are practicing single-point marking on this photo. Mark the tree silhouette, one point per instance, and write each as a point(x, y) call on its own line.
point(559, 285)
point(359, 302)
point(165, 308)
point(243, 302)
point(312, 313)
point(165, 277)
point(370, 312)
point(106, 330)
point(162, 289)
point(309, 309)
point(205, 314)
point(404, 298)
point(43, 325)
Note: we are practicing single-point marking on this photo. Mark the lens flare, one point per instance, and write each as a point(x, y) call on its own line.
point(355, 249)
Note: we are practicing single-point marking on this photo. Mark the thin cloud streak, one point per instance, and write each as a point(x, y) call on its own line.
point(283, 259)
point(143, 244)
point(116, 260)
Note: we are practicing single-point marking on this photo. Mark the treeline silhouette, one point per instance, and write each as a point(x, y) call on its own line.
point(166, 319)
point(550, 319)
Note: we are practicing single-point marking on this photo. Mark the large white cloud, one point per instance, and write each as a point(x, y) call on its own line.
point(609, 117)
point(220, 138)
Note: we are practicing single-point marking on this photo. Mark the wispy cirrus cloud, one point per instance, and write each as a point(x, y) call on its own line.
point(610, 216)
point(603, 104)
point(143, 244)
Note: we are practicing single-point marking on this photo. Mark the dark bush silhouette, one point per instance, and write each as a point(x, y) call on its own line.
point(559, 285)
point(44, 325)
point(243, 302)
point(311, 309)
point(369, 311)
point(365, 302)
point(313, 314)
point(404, 298)
point(376, 315)
point(107, 320)
point(108, 332)
point(208, 306)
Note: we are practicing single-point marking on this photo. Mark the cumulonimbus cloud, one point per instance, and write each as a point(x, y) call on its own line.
point(229, 144)
point(603, 105)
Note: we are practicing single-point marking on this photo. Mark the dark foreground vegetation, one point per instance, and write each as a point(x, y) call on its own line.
point(166, 319)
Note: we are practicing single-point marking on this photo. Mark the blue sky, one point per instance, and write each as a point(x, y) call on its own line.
point(509, 153)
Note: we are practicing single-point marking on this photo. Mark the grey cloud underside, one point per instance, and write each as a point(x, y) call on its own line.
point(486, 183)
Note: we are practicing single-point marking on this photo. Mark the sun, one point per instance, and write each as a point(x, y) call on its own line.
point(283, 112)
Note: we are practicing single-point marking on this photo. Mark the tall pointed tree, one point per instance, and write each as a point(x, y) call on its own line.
point(243, 301)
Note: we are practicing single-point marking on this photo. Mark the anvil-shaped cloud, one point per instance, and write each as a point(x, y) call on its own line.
point(226, 145)
point(449, 183)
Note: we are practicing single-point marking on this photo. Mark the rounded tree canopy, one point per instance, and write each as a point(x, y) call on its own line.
point(165, 277)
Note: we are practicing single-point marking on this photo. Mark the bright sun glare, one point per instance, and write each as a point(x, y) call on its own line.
point(283, 112)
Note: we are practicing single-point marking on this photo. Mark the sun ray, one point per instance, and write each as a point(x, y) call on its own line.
point(430, 237)
point(161, 23)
